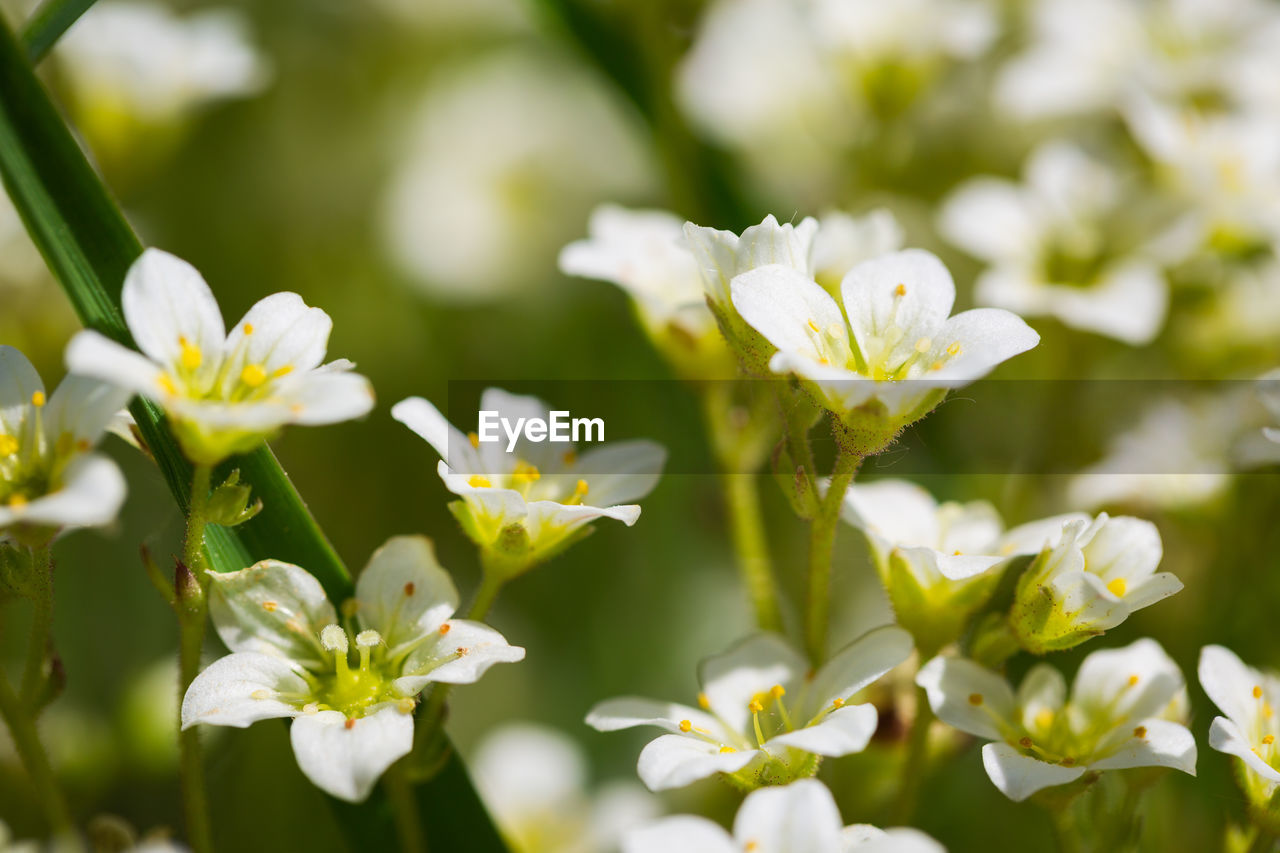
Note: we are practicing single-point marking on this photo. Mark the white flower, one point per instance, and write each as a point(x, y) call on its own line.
point(764, 716)
point(534, 779)
point(49, 477)
point(142, 59)
point(1056, 245)
point(843, 241)
point(530, 501)
point(1248, 698)
point(1124, 711)
point(1087, 55)
point(1089, 582)
point(290, 658)
point(499, 143)
point(722, 255)
point(799, 818)
point(897, 353)
point(939, 562)
point(224, 393)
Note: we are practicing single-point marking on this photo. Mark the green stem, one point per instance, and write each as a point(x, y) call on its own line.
point(491, 584)
point(916, 764)
point(746, 527)
point(192, 609)
point(38, 644)
point(822, 540)
point(413, 839)
point(26, 740)
point(1065, 830)
point(1264, 841)
point(47, 25)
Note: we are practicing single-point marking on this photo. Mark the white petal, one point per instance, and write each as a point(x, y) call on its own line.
point(860, 838)
point(329, 397)
point(798, 818)
point(843, 241)
point(1128, 303)
point(900, 512)
point(680, 834)
point(859, 664)
point(82, 407)
point(1018, 776)
point(404, 593)
point(92, 354)
point(1164, 744)
point(673, 761)
point(164, 300)
point(732, 679)
point(1158, 587)
point(425, 419)
point(967, 696)
point(545, 455)
point(459, 656)
point(18, 382)
point(1225, 736)
point(1230, 683)
point(781, 303)
point(524, 768)
point(286, 333)
point(620, 473)
point(273, 608)
point(1034, 536)
point(346, 762)
point(627, 712)
point(987, 336)
point(874, 305)
point(991, 219)
point(241, 689)
point(842, 732)
point(1105, 682)
point(93, 488)
point(1123, 547)
point(1042, 689)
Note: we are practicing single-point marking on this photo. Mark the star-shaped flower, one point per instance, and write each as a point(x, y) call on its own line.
point(1248, 698)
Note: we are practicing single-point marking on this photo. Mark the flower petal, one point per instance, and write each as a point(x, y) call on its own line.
point(82, 407)
point(673, 761)
point(459, 655)
point(1136, 681)
point(898, 511)
point(627, 712)
point(868, 839)
point(991, 219)
point(1164, 743)
point(165, 302)
point(425, 419)
point(858, 664)
point(909, 290)
point(92, 490)
point(273, 608)
point(732, 679)
point(18, 382)
point(1225, 736)
point(798, 818)
point(844, 731)
point(1230, 684)
point(92, 354)
point(280, 331)
point(241, 689)
point(329, 396)
point(620, 473)
point(786, 306)
point(1019, 776)
point(987, 336)
point(404, 593)
point(1042, 689)
point(346, 762)
point(679, 834)
point(967, 696)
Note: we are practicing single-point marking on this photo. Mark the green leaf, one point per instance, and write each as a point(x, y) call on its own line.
point(50, 21)
point(89, 246)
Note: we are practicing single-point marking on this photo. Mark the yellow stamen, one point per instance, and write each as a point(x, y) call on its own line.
point(1257, 691)
point(248, 328)
point(190, 357)
point(1133, 680)
point(166, 384)
point(1117, 587)
point(837, 702)
point(8, 445)
point(479, 481)
point(703, 702)
point(975, 698)
point(814, 326)
point(1025, 743)
point(525, 471)
point(755, 706)
point(900, 290)
point(270, 606)
point(937, 365)
point(1044, 718)
point(38, 399)
point(686, 726)
point(253, 375)
point(1140, 732)
point(923, 345)
point(282, 371)
point(17, 502)
point(777, 691)
point(474, 439)
point(725, 749)
point(569, 457)
point(406, 705)
point(954, 349)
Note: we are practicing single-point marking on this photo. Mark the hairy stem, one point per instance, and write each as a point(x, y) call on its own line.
point(916, 763)
point(822, 540)
point(192, 609)
point(39, 642)
point(26, 740)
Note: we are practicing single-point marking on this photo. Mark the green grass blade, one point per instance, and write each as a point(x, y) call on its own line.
point(88, 245)
point(46, 26)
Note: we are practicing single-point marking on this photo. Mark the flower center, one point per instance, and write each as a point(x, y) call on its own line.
point(353, 690)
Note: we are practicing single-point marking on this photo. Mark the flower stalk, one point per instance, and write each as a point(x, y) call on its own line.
point(39, 644)
point(26, 740)
point(192, 609)
point(822, 540)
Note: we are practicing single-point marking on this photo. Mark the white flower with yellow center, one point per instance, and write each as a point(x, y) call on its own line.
point(290, 657)
point(894, 357)
point(764, 716)
point(50, 478)
point(939, 562)
point(527, 503)
point(1249, 699)
point(799, 818)
point(1060, 244)
point(223, 393)
point(1126, 709)
point(1088, 582)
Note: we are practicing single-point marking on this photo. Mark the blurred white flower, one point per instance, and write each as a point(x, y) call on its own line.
point(290, 658)
point(526, 504)
point(843, 241)
point(887, 356)
point(534, 779)
point(1089, 55)
point(224, 393)
point(799, 818)
point(50, 478)
point(1057, 244)
point(939, 562)
point(764, 716)
point(140, 59)
point(1248, 698)
point(1088, 581)
point(497, 145)
point(1126, 709)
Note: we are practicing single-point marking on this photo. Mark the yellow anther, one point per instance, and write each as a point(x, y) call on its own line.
point(253, 375)
point(248, 328)
point(1044, 718)
point(923, 345)
point(445, 628)
point(937, 365)
point(260, 694)
point(166, 384)
point(837, 702)
point(17, 502)
point(751, 847)
point(814, 326)
point(527, 472)
point(581, 489)
point(1068, 761)
point(190, 357)
point(350, 723)
point(270, 606)
point(1025, 743)
point(1257, 691)
point(1268, 740)
point(283, 370)
point(1117, 587)
point(703, 702)
point(406, 705)
point(409, 589)
point(311, 708)
point(975, 698)
point(38, 399)
point(570, 457)
point(686, 726)
point(478, 481)
point(956, 553)
point(8, 445)
point(1133, 680)
point(1140, 732)
point(474, 440)
point(777, 691)
point(755, 706)
point(954, 349)
point(1267, 710)
point(725, 749)
point(900, 290)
